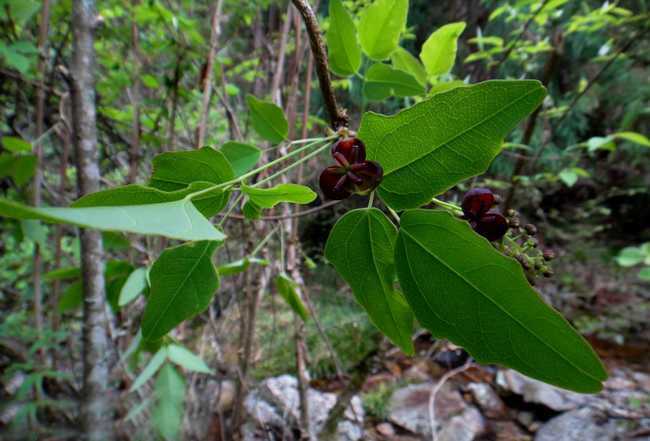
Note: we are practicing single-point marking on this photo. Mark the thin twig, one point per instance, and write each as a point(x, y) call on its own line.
point(338, 116)
point(284, 216)
point(436, 389)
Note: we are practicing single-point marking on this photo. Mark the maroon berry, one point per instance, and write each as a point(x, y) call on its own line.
point(349, 150)
point(477, 202)
point(492, 225)
point(334, 183)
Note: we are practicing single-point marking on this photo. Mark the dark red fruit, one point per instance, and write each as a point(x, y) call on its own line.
point(334, 183)
point(365, 176)
point(349, 150)
point(477, 202)
point(492, 225)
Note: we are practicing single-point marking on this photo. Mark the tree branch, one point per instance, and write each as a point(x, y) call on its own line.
point(338, 116)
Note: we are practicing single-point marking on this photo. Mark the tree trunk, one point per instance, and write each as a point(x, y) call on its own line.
point(96, 412)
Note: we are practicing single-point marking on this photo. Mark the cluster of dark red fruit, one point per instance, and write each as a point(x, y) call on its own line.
point(477, 209)
point(352, 174)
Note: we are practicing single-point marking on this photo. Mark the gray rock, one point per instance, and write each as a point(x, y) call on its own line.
point(276, 404)
point(464, 427)
point(454, 419)
point(580, 425)
point(535, 391)
point(487, 399)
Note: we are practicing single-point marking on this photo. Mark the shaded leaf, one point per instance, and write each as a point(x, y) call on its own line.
point(360, 247)
point(183, 282)
point(461, 288)
point(20, 168)
point(242, 157)
point(268, 120)
point(634, 137)
point(239, 266)
point(16, 145)
point(382, 81)
point(452, 136)
point(71, 298)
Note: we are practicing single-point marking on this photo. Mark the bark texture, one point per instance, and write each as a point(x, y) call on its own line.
point(96, 411)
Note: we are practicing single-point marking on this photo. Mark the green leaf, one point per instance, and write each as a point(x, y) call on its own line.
point(380, 26)
point(186, 359)
point(382, 81)
point(568, 176)
point(177, 220)
point(71, 298)
point(183, 281)
point(268, 120)
point(16, 145)
point(342, 43)
point(600, 142)
point(150, 81)
point(134, 285)
point(167, 414)
point(176, 170)
point(634, 137)
point(251, 210)
point(461, 288)
point(242, 157)
point(439, 51)
point(208, 203)
point(452, 136)
point(270, 197)
point(287, 289)
point(630, 256)
point(67, 273)
point(403, 60)
point(239, 266)
point(20, 168)
point(150, 369)
point(444, 87)
point(644, 274)
point(360, 247)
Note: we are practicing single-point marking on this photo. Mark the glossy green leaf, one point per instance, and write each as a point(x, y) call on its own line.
point(208, 203)
point(176, 170)
point(644, 274)
point(403, 60)
point(239, 266)
point(342, 43)
point(251, 210)
point(177, 220)
point(183, 282)
point(16, 145)
point(439, 51)
point(20, 168)
point(71, 298)
point(380, 26)
point(71, 272)
point(270, 197)
point(268, 120)
point(167, 414)
point(287, 289)
point(242, 157)
point(439, 142)
point(134, 285)
point(633, 137)
point(186, 359)
point(150, 369)
point(360, 247)
point(382, 81)
point(630, 256)
point(461, 288)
